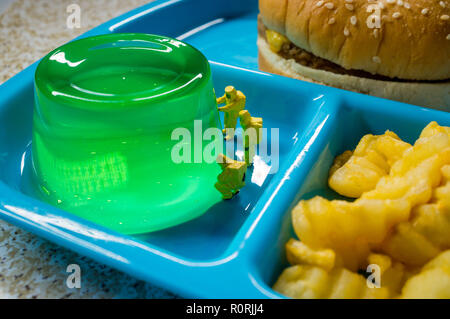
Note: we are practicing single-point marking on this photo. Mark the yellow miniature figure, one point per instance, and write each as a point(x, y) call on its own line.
point(250, 139)
point(234, 103)
point(232, 178)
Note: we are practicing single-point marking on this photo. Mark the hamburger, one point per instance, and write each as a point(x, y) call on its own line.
point(396, 49)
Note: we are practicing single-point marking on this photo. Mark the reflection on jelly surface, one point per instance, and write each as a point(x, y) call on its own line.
point(105, 111)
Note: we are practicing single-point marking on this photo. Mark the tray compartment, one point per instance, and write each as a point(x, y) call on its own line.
point(356, 116)
point(16, 114)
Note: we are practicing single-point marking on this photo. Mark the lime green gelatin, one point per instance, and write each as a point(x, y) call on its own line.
point(105, 110)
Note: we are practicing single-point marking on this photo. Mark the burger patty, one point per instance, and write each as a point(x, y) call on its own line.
point(305, 58)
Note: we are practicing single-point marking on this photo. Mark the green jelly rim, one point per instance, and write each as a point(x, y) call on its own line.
point(82, 46)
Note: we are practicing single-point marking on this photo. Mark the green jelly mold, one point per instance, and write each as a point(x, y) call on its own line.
point(105, 110)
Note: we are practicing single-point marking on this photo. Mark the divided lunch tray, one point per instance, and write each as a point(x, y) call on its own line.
point(235, 250)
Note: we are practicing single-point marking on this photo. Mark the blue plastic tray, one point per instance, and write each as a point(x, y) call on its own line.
point(236, 250)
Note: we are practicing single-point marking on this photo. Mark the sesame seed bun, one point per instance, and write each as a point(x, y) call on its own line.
point(411, 43)
point(433, 95)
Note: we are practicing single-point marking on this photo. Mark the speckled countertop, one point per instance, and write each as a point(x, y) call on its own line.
point(31, 267)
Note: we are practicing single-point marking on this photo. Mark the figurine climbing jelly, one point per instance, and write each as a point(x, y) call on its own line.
point(252, 132)
point(232, 178)
point(234, 103)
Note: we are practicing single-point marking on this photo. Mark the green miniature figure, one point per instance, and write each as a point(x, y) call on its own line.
point(234, 103)
point(232, 178)
point(249, 122)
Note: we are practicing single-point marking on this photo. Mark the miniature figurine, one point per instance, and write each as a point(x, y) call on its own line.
point(232, 178)
point(234, 103)
point(248, 122)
